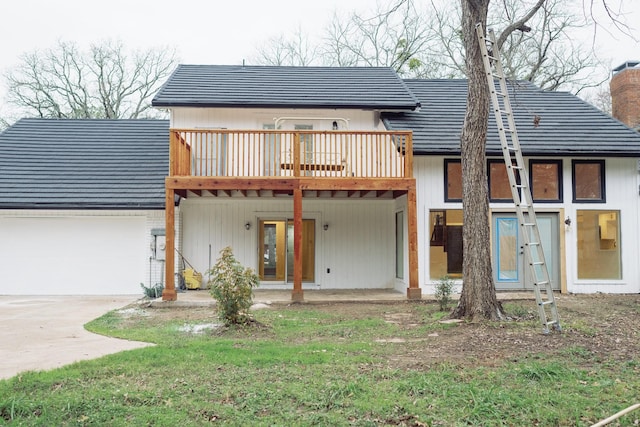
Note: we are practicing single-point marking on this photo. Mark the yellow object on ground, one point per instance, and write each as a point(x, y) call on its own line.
point(192, 279)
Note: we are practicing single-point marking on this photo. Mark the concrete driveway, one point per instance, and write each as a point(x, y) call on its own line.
point(46, 332)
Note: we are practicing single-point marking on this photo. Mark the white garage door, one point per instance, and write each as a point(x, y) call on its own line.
point(72, 255)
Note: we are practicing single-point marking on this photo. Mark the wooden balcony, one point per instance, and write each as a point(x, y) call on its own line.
point(276, 153)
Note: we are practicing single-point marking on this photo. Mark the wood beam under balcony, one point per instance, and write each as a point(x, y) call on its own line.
point(286, 185)
point(224, 183)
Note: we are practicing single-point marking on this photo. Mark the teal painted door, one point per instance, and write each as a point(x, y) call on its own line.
point(508, 251)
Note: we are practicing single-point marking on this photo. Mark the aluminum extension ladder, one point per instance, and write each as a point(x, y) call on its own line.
point(519, 181)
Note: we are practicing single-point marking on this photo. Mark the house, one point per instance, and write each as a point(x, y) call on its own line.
point(318, 178)
point(81, 203)
point(329, 178)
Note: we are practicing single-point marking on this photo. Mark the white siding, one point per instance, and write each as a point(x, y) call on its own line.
point(240, 118)
point(357, 248)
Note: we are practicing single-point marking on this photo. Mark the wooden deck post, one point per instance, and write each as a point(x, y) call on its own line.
point(413, 291)
point(297, 294)
point(169, 292)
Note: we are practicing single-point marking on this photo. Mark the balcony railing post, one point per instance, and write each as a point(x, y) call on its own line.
point(174, 161)
point(408, 159)
point(296, 154)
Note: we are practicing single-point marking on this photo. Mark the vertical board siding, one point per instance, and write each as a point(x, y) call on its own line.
point(358, 247)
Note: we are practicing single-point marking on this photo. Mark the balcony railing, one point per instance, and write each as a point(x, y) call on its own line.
point(277, 153)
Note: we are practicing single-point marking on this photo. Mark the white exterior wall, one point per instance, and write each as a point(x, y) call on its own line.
point(241, 118)
point(358, 248)
point(62, 252)
point(622, 187)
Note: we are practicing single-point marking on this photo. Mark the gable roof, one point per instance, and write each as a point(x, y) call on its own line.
point(84, 164)
point(369, 88)
point(568, 126)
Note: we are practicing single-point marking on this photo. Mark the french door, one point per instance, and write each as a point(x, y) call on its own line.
point(276, 252)
point(508, 251)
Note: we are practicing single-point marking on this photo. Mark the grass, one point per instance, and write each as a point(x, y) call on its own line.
point(309, 367)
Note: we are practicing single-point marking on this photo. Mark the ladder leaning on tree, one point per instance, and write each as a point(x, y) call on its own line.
point(518, 180)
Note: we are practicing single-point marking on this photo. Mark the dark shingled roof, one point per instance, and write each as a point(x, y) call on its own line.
point(368, 88)
point(84, 164)
point(568, 126)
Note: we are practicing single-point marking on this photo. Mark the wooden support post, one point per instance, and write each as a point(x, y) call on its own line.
point(413, 291)
point(169, 292)
point(297, 294)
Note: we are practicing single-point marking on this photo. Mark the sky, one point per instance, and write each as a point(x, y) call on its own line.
point(211, 31)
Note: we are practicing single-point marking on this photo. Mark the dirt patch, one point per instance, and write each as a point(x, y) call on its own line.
point(594, 327)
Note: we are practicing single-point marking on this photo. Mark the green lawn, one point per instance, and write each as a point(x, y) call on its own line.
point(310, 366)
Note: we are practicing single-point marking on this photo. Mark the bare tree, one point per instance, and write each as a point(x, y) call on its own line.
point(295, 50)
point(393, 37)
point(427, 42)
point(105, 82)
point(545, 53)
point(600, 98)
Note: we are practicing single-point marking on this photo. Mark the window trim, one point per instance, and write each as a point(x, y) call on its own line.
point(446, 180)
point(603, 186)
point(560, 187)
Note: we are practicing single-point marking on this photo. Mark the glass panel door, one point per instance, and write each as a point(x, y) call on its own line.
point(277, 254)
point(272, 256)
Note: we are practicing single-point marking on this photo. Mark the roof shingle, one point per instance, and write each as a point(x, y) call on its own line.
point(84, 164)
point(568, 125)
point(369, 88)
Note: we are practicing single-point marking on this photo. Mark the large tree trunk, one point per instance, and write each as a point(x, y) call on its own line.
point(478, 300)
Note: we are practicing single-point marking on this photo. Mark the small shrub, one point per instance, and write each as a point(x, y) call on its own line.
point(232, 286)
point(444, 290)
point(154, 291)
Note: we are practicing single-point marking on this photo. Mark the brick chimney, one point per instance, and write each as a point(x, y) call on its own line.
point(625, 93)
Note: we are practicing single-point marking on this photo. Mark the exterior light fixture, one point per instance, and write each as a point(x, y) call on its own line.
point(325, 227)
point(247, 226)
point(568, 222)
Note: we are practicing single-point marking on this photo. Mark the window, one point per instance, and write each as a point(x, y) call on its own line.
point(499, 187)
point(452, 180)
point(400, 245)
point(545, 179)
point(599, 244)
point(588, 181)
point(445, 243)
